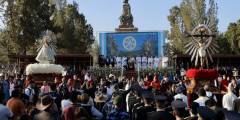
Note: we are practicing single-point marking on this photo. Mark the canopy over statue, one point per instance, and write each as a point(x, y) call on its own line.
point(47, 48)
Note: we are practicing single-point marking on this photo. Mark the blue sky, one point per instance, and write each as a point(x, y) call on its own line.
point(148, 14)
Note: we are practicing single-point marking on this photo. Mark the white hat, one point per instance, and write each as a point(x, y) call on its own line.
point(111, 75)
point(64, 73)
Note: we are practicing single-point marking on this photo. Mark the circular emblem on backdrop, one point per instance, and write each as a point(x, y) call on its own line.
point(129, 43)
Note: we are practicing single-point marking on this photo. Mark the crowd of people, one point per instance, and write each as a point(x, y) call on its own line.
point(107, 97)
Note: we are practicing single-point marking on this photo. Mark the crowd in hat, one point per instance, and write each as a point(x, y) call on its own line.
point(107, 97)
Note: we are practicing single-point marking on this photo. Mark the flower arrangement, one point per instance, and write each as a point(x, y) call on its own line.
point(202, 74)
point(38, 68)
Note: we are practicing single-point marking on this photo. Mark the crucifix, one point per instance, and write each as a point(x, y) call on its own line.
point(201, 45)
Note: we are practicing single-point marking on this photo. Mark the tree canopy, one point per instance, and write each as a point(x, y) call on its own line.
point(185, 17)
point(25, 21)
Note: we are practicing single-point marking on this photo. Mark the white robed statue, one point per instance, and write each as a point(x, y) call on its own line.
point(46, 50)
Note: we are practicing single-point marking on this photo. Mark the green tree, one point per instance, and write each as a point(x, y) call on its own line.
point(223, 44)
point(25, 21)
point(94, 51)
point(185, 17)
point(233, 36)
point(74, 34)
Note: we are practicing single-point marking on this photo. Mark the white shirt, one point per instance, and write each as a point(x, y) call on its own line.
point(87, 77)
point(139, 61)
point(5, 113)
point(124, 61)
point(29, 91)
point(144, 62)
point(227, 100)
point(110, 91)
point(182, 97)
point(201, 100)
point(11, 88)
point(65, 103)
point(150, 62)
point(210, 95)
point(156, 62)
point(119, 62)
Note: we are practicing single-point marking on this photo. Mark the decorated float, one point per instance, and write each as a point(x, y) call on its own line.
point(201, 49)
point(45, 70)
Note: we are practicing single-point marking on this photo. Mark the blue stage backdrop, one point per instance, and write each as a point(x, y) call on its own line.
point(132, 43)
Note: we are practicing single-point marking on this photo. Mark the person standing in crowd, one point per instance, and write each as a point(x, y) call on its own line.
point(72, 112)
point(224, 83)
point(30, 92)
point(70, 84)
point(12, 84)
point(130, 98)
point(193, 112)
point(84, 99)
point(141, 112)
point(109, 106)
point(209, 94)
point(78, 82)
point(155, 84)
point(5, 113)
point(16, 105)
point(1, 81)
point(63, 87)
point(202, 98)
point(45, 88)
point(6, 88)
point(179, 110)
point(118, 112)
point(55, 95)
point(180, 96)
point(237, 104)
point(160, 113)
point(66, 102)
point(47, 109)
point(228, 98)
point(235, 86)
point(20, 80)
point(57, 81)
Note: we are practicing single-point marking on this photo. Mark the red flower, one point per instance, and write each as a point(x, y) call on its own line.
point(202, 74)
